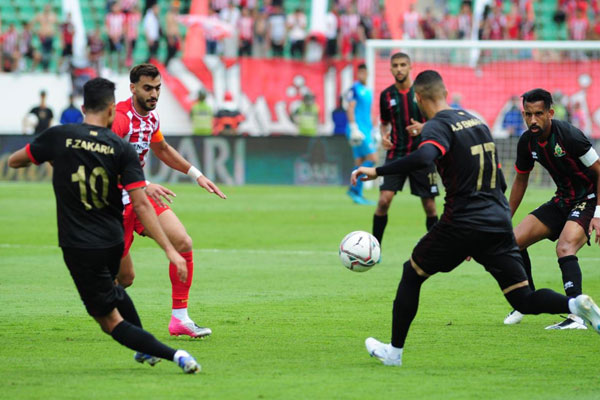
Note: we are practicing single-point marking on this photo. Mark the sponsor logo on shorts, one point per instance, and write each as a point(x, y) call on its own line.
point(534, 155)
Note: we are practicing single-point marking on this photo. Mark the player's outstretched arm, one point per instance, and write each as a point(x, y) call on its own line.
point(147, 216)
point(518, 191)
point(595, 222)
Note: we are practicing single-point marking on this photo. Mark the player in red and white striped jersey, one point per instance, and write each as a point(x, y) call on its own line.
point(137, 121)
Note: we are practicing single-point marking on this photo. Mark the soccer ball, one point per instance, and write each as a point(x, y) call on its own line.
point(359, 251)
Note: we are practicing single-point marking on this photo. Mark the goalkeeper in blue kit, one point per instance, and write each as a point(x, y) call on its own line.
point(360, 126)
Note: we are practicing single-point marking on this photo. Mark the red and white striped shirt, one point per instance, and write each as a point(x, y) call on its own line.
point(10, 39)
point(245, 27)
point(578, 28)
point(349, 24)
point(132, 22)
point(219, 4)
point(137, 129)
point(364, 7)
point(115, 23)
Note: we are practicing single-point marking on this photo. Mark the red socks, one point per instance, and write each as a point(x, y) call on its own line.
point(180, 290)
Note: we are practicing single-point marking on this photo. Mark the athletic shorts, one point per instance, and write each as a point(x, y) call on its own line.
point(94, 272)
point(364, 149)
point(423, 182)
point(555, 216)
point(131, 223)
point(446, 246)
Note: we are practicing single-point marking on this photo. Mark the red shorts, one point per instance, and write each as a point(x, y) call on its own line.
point(132, 223)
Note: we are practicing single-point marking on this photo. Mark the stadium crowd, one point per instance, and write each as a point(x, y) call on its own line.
point(263, 29)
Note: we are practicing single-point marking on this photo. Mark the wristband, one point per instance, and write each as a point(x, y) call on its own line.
point(194, 173)
point(597, 212)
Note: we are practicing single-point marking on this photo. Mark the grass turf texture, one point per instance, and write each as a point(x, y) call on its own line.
point(288, 320)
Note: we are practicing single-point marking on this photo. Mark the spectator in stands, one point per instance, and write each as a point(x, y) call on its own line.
point(230, 15)
point(513, 23)
point(276, 31)
point(381, 29)
point(331, 32)
point(173, 35)
point(152, 30)
point(218, 5)
point(115, 24)
point(296, 26)
point(95, 46)
point(47, 21)
point(410, 23)
point(10, 49)
point(43, 114)
point(67, 31)
point(132, 24)
point(465, 21)
point(494, 25)
point(201, 115)
point(210, 38)
point(340, 119)
point(513, 119)
point(71, 114)
point(28, 53)
point(578, 119)
point(246, 32)
point(428, 25)
point(128, 6)
point(560, 108)
point(349, 33)
point(260, 45)
point(456, 101)
point(228, 118)
point(306, 116)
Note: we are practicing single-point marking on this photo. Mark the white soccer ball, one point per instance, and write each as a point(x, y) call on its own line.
point(359, 251)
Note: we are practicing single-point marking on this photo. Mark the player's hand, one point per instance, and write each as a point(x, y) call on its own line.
point(157, 193)
point(364, 174)
point(210, 186)
point(179, 263)
point(415, 128)
point(386, 142)
point(356, 136)
point(595, 226)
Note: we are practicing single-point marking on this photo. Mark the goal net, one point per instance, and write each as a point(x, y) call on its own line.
point(487, 78)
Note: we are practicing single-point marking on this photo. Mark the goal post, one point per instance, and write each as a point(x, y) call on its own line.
point(487, 79)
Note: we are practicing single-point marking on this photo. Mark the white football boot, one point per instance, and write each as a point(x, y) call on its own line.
point(572, 322)
point(382, 351)
point(584, 306)
point(513, 317)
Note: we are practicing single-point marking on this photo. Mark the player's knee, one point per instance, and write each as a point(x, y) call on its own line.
point(183, 244)
point(383, 205)
point(565, 248)
point(126, 279)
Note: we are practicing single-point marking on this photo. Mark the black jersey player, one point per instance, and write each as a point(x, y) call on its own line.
point(401, 125)
point(90, 163)
point(476, 221)
point(572, 214)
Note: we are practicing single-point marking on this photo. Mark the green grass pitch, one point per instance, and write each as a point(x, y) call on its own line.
point(288, 321)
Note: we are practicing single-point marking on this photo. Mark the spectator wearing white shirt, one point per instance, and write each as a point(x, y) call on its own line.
point(277, 31)
point(152, 30)
point(296, 25)
point(231, 15)
point(246, 31)
point(211, 39)
point(331, 32)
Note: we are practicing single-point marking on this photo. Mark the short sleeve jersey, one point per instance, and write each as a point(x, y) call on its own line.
point(89, 164)
point(470, 171)
point(363, 96)
point(139, 130)
point(44, 115)
point(563, 156)
point(397, 108)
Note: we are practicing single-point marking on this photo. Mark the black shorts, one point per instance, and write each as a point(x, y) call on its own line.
point(115, 47)
point(67, 50)
point(94, 272)
point(555, 216)
point(423, 182)
point(446, 246)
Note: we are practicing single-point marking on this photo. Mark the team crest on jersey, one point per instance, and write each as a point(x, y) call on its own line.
point(558, 151)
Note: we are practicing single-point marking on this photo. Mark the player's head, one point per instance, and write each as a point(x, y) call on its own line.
point(361, 73)
point(145, 85)
point(429, 86)
point(538, 111)
point(400, 67)
point(99, 98)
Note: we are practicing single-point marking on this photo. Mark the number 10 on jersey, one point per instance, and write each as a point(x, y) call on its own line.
point(99, 199)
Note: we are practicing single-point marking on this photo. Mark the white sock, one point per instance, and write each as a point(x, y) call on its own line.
point(179, 354)
point(395, 352)
point(572, 306)
point(181, 314)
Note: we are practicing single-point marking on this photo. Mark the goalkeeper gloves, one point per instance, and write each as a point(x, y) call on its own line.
point(356, 136)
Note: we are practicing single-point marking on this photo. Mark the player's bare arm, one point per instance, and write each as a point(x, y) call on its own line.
point(167, 154)
point(595, 222)
point(19, 159)
point(147, 216)
point(518, 191)
point(385, 131)
point(158, 193)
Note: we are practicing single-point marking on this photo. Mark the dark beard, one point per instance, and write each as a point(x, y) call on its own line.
point(401, 81)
